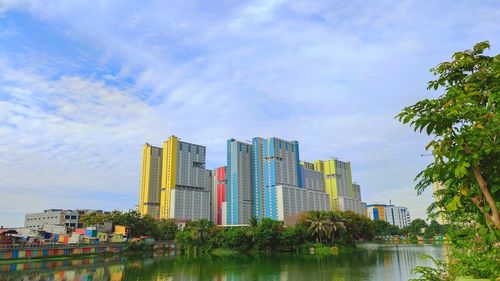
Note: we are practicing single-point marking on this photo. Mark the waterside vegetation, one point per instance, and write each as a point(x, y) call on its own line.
point(464, 123)
point(319, 232)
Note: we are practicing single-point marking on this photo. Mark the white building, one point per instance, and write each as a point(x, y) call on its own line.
point(293, 200)
point(398, 216)
point(56, 217)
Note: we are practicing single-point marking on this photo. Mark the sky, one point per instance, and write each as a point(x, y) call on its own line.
point(84, 84)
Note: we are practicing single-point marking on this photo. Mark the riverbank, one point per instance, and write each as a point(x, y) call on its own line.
point(30, 252)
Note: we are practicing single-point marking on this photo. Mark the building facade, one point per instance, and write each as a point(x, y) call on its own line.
point(174, 181)
point(149, 199)
point(185, 183)
point(376, 211)
point(239, 188)
point(293, 200)
point(344, 194)
point(56, 217)
point(275, 162)
point(311, 179)
point(219, 182)
point(436, 187)
point(395, 215)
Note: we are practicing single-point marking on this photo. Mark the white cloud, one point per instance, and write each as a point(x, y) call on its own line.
point(329, 74)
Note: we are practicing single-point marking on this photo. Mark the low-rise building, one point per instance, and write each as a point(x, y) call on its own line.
point(56, 217)
point(395, 215)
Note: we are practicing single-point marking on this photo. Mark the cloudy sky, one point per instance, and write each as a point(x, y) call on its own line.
point(83, 84)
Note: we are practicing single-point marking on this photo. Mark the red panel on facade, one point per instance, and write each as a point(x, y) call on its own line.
point(221, 192)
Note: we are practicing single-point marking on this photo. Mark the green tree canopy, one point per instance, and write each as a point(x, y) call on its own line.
point(464, 121)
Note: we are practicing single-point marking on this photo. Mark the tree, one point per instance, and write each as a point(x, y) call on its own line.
point(465, 123)
point(336, 225)
point(383, 228)
point(416, 226)
point(318, 225)
point(167, 229)
point(94, 218)
point(267, 234)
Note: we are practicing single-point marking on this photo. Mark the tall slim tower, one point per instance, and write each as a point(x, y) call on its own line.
point(149, 200)
point(239, 182)
point(185, 184)
point(276, 162)
point(219, 182)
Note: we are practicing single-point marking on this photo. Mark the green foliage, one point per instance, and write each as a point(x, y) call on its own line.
point(383, 228)
point(417, 227)
point(139, 225)
point(472, 256)
point(465, 123)
point(266, 236)
point(339, 227)
point(167, 229)
point(436, 273)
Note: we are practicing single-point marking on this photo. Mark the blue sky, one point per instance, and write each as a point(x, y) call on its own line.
point(84, 84)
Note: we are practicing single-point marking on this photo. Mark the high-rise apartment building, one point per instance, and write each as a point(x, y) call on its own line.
point(239, 195)
point(219, 182)
point(174, 181)
point(149, 200)
point(185, 185)
point(344, 194)
point(275, 163)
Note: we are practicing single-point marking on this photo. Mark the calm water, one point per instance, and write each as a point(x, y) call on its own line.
point(369, 262)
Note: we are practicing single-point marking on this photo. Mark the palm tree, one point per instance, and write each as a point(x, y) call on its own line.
point(202, 226)
point(319, 225)
point(336, 225)
point(253, 223)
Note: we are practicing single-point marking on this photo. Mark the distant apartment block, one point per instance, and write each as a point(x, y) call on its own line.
point(395, 215)
point(437, 186)
point(56, 217)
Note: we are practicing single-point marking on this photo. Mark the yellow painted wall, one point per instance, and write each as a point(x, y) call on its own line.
point(327, 167)
point(145, 172)
point(381, 212)
point(168, 177)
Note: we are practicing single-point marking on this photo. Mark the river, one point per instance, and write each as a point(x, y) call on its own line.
point(368, 262)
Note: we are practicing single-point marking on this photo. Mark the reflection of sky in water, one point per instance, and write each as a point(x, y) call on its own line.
point(369, 262)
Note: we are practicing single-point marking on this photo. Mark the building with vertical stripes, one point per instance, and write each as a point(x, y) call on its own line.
point(185, 185)
point(149, 199)
point(275, 162)
point(174, 181)
point(239, 195)
point(395, 215)
point(344, 194)
point(219, 182)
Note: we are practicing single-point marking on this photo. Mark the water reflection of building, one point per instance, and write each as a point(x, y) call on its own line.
point(398, 262)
